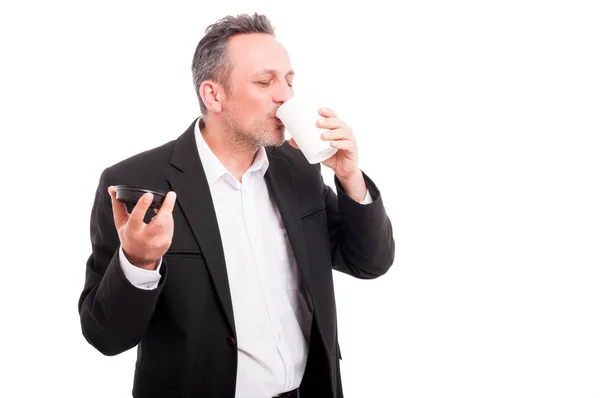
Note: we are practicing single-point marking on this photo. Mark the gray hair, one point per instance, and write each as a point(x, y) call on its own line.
point(210, 59)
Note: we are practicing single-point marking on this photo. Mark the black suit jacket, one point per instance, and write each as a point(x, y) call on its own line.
point(184, 329)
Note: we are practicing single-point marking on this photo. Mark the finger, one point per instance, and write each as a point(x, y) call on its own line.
point(120, 213)
point(341, 134)
point(345, 145)
point(136, 219)
point(293, 143)
point(332, 123)
point(167, 207)
point(327, 112)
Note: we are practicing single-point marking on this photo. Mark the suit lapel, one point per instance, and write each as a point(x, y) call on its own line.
point(281, 185)
point(188, 180)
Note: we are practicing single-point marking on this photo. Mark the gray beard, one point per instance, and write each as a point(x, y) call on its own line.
point(245, 141)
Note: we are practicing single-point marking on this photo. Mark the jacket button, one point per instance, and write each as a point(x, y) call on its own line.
point(231, 341)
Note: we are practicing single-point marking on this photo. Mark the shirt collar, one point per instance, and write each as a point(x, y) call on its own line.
point(214, 169)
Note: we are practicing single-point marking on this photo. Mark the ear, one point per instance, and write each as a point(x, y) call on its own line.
point(212, 94)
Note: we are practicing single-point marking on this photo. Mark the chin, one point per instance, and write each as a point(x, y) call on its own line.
point(276, 142)
point(277, 137)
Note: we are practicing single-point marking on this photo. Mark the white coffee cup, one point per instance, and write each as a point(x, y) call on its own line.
point(299, 115)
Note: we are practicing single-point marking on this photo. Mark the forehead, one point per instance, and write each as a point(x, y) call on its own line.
point(252, 53)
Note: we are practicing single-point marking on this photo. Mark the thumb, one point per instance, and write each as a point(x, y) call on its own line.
point(120, 213)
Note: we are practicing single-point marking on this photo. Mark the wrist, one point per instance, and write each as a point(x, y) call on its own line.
point(351, 178)
point(147, 267)
point(354, 186)
point(140, 262)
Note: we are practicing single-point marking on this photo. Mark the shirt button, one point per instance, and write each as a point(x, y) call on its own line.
point(231, 341)
point(278, 336)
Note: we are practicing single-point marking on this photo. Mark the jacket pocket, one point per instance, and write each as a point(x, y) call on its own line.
point(147, 387)
point(183, 253)
point(309, 215)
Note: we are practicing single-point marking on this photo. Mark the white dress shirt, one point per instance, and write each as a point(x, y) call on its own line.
point(271, 311)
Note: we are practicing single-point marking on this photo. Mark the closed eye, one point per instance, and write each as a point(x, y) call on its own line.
point(265, 84)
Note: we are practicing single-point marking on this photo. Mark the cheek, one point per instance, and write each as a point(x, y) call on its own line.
point(258, 98)
point(253, 103)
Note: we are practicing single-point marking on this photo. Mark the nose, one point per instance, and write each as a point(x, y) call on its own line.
point(283, 92)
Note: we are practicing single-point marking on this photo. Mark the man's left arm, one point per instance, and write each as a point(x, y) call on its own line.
point(360, 234)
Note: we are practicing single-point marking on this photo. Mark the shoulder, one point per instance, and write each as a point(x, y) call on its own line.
point(150, 158)
point(141, 168)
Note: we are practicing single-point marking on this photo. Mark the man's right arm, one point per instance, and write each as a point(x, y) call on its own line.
point(114, 313)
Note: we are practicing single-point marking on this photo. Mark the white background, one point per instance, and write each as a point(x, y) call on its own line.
point(478, 120)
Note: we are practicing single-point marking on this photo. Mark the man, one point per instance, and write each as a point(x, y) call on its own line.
point(227, 290)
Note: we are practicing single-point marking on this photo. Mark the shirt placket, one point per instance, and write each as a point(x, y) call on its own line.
point(260, 256)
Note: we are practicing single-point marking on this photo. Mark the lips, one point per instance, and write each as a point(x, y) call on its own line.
point(279, 123)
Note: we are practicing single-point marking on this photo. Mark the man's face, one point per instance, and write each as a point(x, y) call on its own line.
point(260, 81)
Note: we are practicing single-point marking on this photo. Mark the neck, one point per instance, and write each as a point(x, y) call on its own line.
point(235, 153)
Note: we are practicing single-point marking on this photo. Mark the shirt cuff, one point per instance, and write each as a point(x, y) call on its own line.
point(368, 199)
point(139, 277)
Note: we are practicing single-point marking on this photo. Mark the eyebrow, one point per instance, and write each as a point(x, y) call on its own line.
point(274, 72)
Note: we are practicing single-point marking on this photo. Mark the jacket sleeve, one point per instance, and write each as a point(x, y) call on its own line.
point(114, 314)
point(361, 236)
